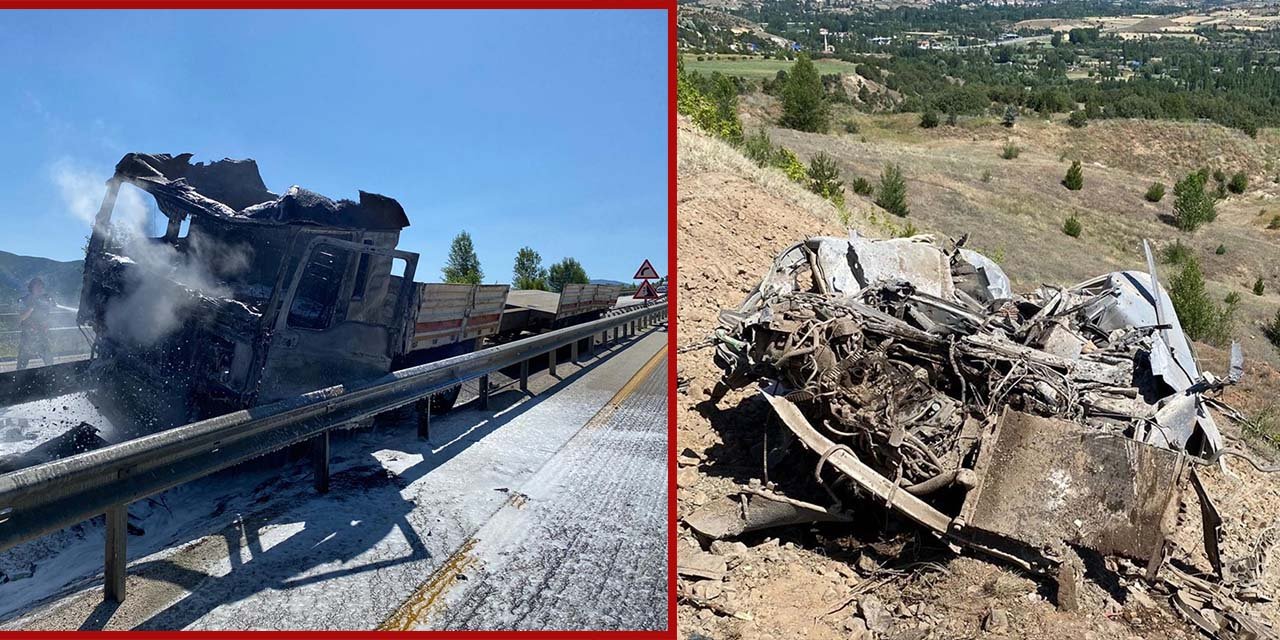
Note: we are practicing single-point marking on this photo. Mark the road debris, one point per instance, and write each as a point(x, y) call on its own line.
point(1030, 428)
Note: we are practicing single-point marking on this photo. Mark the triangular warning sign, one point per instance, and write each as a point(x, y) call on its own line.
point(646, 272)
point(646, 291)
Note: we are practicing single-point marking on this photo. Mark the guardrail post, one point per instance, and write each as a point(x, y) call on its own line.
point(320, 462)
point(573, 352)
point(116, 566)
point(524, 376)
point(424, 419)
point(551, 362)
point(484, 392)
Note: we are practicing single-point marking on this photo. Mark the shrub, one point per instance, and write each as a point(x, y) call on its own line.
point(861, 186)
point(787, 161)
point(1272, 331)
point(1155, 193)
point(824, 178)
point(714, 109)
point(1077, 119)
point(952, 119)
point(1074, 179)
point(929, 120)
point(758, 148)
point(1239, 182)
point(851, 126)
point(1175, 253)
point(1275, 222)
point(1259, 287)
point(1010, 151)
point(1232, 298)
point(893, 191)
point(1072, 226)
point(986, 175)
point(1221, 250)
point(1200, 317)
point(1192, 207)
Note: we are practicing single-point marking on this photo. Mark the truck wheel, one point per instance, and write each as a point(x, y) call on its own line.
point(442, 402)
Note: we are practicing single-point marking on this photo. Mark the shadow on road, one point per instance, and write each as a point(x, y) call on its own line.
point(363, 507)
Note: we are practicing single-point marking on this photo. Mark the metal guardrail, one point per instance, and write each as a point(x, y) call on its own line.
point(41, 499)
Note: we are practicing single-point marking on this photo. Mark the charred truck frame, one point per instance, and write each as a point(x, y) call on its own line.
point(249, 297)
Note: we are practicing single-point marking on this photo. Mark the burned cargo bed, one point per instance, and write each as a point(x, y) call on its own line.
point(533, 310)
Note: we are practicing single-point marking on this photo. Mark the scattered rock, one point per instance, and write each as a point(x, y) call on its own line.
point(857, 628)
point(687, 477)
point(996, 621)
point(701, 565)
point(707, 589)
point(728, 548)
point(875, 614)
point(867, 564)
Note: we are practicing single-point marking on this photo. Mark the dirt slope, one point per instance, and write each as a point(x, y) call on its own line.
point(836, 581)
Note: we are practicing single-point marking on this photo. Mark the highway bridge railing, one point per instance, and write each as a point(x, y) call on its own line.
point(38, 500)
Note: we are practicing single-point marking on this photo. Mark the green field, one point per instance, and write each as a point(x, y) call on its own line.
point(756, 67)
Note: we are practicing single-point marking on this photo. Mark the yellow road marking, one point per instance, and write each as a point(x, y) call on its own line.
point(421, 602)
point(629, 388)
point(406, 617)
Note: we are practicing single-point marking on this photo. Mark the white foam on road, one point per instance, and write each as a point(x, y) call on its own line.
point(285, 558)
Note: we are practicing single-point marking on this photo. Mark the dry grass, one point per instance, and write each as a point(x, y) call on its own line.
point(1020, 209)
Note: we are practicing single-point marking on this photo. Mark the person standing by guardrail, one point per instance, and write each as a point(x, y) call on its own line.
point(34, 322)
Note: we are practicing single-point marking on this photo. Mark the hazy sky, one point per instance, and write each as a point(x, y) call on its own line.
point(538, 128)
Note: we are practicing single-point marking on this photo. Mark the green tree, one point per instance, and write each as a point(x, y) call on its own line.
point(463, 265)
point(1072, 226)
point(1077, 119)
point(893, 191)
point(1192, 207)
point(1272, 331)
point(567, 271)
point(824, 177)
point(929, 119)
point(1199, 316)
point(1010, 116)
point(1074, 179)
point(528, 272)
point(804, 104)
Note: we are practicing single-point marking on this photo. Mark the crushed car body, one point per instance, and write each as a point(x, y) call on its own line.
point(1020, 426)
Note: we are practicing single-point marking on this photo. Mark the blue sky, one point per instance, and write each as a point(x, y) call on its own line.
point(538, 128)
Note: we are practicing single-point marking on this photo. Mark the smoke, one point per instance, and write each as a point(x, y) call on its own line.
point(165, 282)
point(82, 191)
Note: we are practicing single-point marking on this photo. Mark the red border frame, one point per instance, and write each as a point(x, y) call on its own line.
point(670, 7)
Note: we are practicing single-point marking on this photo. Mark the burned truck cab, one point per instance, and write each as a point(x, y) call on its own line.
point(244, 297)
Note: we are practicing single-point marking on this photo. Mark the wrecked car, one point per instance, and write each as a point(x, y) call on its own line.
point(1022, 427)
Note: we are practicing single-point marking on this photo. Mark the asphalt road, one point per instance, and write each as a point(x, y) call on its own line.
point(580, 468)
point(582, 545)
